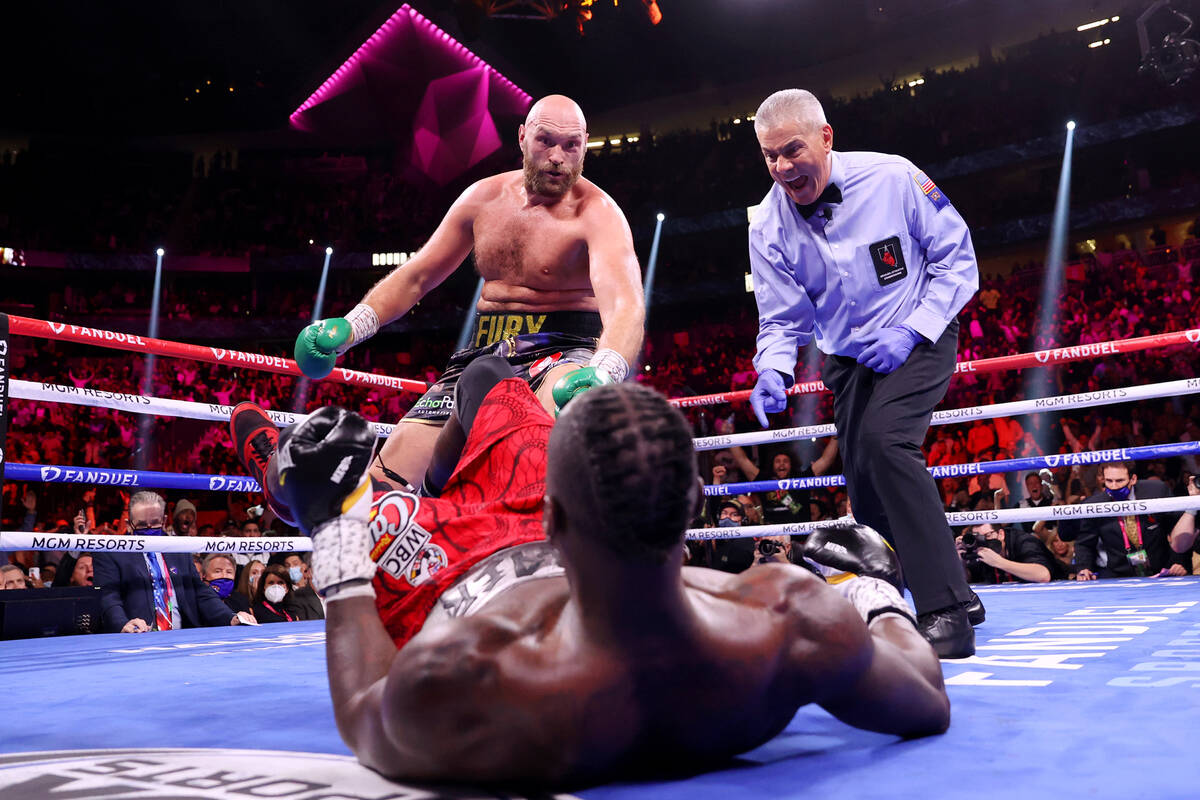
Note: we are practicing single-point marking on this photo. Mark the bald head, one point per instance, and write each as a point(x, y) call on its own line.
point(553, 143)
point(557, 110)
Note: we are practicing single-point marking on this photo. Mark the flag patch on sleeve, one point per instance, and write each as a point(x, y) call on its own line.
point(930, 190)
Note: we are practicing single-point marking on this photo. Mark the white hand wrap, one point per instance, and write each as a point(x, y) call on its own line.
point(342, 546)
point(873, 597)
point(611, 362)
point(364, 322)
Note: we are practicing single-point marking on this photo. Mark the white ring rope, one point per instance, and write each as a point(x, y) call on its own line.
point(215, 412)
point(139, 404)
point(1001, 516)
point(1102, 397)
point(23, 540)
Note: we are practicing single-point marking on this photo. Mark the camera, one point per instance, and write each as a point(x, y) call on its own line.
point(972, 541)
point(768, 548)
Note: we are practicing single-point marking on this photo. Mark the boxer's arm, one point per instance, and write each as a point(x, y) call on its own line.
point(884, 678)
point(401, 289)
point(359, 653)
point(426, 712)
point(616, 280)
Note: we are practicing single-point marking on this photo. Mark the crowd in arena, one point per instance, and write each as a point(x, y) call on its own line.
point(1111, 299)
point(261, 202)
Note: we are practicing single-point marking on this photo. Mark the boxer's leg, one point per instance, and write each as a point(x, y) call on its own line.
point(479, 378)
point(545, 391)
point(406, 454)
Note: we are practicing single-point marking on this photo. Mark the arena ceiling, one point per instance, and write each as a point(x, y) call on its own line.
point(125, 69)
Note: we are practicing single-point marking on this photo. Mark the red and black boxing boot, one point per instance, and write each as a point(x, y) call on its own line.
point(255, 439)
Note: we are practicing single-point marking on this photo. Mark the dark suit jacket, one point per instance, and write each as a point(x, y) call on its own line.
point(126, 591)
point(1090, 535)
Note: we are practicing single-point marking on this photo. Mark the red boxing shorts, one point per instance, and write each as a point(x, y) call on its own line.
point(492, 502)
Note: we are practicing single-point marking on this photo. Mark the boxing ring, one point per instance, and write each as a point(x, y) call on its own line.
point(1077, 689)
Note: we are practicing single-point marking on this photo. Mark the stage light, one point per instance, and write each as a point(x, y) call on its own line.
point(737, 120)
point(328, 251)
point(160, 252)
point(310, 241)
point(1071, 125)
point(661, 216)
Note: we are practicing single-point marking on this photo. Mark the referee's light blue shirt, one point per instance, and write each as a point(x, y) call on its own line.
point(839, 279)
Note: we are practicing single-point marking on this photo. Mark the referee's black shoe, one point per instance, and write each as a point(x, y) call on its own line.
point(976, 613)
point(949, 631)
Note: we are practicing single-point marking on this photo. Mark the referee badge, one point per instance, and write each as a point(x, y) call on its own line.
point(888, 258)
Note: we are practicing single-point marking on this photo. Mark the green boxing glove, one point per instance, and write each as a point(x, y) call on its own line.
point(319, 344)
point(575, 383)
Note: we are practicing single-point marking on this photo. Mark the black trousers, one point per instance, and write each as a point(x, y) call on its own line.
point(881, 423)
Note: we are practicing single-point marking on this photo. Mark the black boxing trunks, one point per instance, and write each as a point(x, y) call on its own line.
point(443, 557)
point(531, 343)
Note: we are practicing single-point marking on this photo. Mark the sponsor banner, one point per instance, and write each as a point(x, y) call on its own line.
point(213, 774)
point(96, 543)
point(3, 405)
point(1002, 516)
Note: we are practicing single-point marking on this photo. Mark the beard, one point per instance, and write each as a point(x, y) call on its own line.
point(538, 182)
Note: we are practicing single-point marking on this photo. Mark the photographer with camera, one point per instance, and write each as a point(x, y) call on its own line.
point(995, 555)
point(773, 550)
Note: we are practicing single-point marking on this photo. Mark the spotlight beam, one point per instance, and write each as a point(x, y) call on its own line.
point(1038, 382)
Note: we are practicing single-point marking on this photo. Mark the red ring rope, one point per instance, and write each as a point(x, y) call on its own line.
point(1061, 355)
point(42, 329)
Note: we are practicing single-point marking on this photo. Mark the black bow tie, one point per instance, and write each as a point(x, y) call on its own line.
point(831, 194)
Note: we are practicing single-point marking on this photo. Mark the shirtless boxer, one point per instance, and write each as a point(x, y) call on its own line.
point(593, 654)
point(562, 286)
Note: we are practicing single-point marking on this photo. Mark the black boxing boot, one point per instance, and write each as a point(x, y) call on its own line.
point(320, 472)
point(862, 566)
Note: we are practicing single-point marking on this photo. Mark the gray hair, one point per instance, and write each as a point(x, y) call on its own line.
point(795, 105)
point(148, 499)
point(211, 557)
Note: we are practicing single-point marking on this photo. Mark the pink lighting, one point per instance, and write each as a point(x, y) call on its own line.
point(400, 48)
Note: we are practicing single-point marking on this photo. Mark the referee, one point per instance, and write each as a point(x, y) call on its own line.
point(863, 252)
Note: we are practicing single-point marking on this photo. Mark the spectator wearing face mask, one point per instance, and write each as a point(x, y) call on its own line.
point(304, 599)
point(155, 591)
point(273, 597)
point(730, 555)
point(1123, 547)
point(218, 572)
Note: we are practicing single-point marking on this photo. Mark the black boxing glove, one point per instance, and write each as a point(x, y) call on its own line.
point(320, 472)
point(862, 566)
